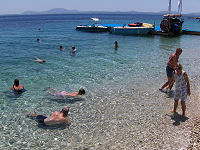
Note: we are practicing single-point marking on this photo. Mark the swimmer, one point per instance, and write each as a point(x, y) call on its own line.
point(64, 93)
point(38, 40)
point(73, 50)
point(57, 117)
point(18, 88)
point(116, 45)
point(38, 60)
point(62, 48)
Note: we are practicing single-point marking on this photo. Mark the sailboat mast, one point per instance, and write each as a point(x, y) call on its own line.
point(169, 7)
point(179, 7)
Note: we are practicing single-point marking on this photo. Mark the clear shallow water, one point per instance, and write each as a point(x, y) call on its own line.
point(122, 81)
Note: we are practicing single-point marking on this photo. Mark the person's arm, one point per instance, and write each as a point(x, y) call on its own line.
point(67, 121)
point(12, 88)
point(33, 60)
point(54, 90)
point(187, 82)
point(49, 92)
point(72, 94)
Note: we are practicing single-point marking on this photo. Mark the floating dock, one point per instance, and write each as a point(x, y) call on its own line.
point(158, 31)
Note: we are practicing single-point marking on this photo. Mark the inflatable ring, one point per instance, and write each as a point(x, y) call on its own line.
point(164, 25)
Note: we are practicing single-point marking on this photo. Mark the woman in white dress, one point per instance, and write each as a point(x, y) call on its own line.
point(182, 88)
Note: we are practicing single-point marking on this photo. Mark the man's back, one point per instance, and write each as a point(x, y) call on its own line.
point(55, 118)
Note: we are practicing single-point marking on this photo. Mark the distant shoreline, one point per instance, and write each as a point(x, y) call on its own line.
point(63, 11)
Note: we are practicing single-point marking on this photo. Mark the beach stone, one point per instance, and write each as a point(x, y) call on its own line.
point(11, 141)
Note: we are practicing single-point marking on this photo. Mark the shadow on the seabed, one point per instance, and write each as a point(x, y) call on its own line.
point(67, 100)
point(61, 126)
point(169, 94)
point(178, 119)
point(53, 127)
point(13, 94)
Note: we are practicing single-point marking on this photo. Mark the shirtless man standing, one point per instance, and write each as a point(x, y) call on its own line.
point(54, 119)
point(172, 63)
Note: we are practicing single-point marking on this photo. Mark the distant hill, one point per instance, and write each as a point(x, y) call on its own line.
point(194, 14)
point(65, 11)
point(52, 11)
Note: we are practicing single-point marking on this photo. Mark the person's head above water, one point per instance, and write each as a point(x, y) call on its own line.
point(81, 91)
point(65, 111)
point(73, 47)
point(16, 82)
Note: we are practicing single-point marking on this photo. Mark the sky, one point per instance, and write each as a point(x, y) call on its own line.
point(19, 6)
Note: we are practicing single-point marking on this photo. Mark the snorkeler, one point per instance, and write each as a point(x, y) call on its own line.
point(64, 93)
point(38, 60)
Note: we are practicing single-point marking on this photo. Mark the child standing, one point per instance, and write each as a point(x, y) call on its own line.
point(182, 88)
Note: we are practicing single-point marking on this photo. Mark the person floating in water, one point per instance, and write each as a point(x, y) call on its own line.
point(116, 45)
point(172, 63)
point(18, 88)
point(57, 117)
point(64, 93)
point(182, 88)
point(38, 40)
point(38, 60)
point(73, 50)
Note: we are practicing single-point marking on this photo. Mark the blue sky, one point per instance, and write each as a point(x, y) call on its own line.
point(19, 6)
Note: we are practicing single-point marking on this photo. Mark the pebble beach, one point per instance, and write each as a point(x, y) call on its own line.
point(122, 108)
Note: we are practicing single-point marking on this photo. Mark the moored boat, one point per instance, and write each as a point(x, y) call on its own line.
point(93, 28)
point(172, 23)
point(133, 29)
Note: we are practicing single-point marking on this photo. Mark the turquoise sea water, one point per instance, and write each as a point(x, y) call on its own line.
point(138, 66)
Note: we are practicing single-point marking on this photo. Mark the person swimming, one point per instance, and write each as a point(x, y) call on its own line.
point(17, 88)
point(38, 60)
point(64, 93)
point(56, 118)
point(61, 47)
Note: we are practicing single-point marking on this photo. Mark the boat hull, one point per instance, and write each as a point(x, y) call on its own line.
point(92, 29)
point(131, 30)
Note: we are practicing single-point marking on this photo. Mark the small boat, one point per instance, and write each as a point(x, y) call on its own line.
point(93, 28)
point(133, 29)
point(172, 23)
